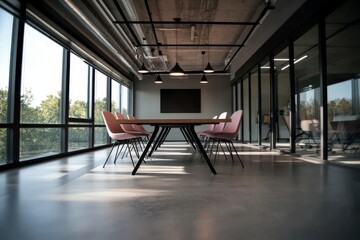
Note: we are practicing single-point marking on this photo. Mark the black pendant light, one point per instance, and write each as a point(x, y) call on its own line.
point(208, 68)
point(143, 69)
point(176, 70)
point(158, 79)
point(203, 78)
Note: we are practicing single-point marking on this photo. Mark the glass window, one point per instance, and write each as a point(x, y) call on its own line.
point(125, 100)
point(39, 142)
point(115, 96)
point(265, 101)
point(100, 105)
point(282, 78)
point(80, 73)
point(246, 99)
point(239, 104)
point(3, 147)
point(78, 138)
point(42, 66)
point(6, 28)
point(343, 59)
point(254, 105)
point(101, 136)
point(100, 96)
point(307, 81)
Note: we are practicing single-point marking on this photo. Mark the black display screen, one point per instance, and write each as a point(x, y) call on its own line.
point(180, 100)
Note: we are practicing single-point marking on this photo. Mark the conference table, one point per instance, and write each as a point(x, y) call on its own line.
point(187, 126)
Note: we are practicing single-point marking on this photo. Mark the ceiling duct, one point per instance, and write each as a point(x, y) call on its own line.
point(157, 63)
point(89, 21)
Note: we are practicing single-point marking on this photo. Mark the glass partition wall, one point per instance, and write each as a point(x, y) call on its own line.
point(307, 96)
point(294, 87)
point(246, 108)
point(265, 102)
point(282, 98)
point(343, 75)
point(254, 105)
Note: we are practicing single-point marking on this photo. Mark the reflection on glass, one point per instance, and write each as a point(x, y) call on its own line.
point(41, 78)
point(3, 146)
point(124, 100)
point(307, 81)
point(246, 99)
point(254, 105)
point(115, 96)
point(282, 78)
point(79, 88)
point(39, 142)
point(78, 138)
point(100, 96)
point(6, 23)
point(265, 101)
point(101, 136)
point(342, 31)
point(238, 86)
point(6, 29)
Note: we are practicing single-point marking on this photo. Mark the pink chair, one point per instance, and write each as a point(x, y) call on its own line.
point(229, 134)
point(217, 128)
point(139, 127)
point(129, 128)
point(116, 133)
point(202, 134)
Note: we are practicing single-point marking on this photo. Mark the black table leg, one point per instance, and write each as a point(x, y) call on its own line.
point(157, 142)
point(201, 148)
point(142, 157)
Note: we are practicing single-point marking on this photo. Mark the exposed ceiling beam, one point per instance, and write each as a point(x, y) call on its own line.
point(185, 22)
point(190, 45)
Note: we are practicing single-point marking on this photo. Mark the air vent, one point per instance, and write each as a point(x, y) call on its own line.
point(157, 63)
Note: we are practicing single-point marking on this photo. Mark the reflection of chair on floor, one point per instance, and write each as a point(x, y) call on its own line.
point(310, 133)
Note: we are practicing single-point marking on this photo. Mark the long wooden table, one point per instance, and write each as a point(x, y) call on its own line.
point(187, 125)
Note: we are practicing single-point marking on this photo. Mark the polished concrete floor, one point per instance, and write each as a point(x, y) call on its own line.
point(175, 196)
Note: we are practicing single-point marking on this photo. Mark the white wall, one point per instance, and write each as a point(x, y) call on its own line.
point(215, 98)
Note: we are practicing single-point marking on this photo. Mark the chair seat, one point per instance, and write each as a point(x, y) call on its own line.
point(123, 136)
point(225, 136)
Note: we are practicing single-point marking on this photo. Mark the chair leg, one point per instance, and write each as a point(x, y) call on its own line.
point(242, 164)
point(127, 143)
point(217, 150)
point(229, 149)
point(118, 152)
point(223, 150)
point(110, 153)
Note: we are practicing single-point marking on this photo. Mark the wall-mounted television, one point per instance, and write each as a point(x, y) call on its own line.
point(180, 100)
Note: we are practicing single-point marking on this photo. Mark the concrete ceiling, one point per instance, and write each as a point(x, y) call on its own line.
point(202, 27)
point(125, 33)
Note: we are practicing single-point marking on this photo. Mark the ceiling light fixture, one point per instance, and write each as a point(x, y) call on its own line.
point(158, 79)
point(176, 70)
point(143, 69)
point(208, 68)
point(203, 79)
point(296, 61)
